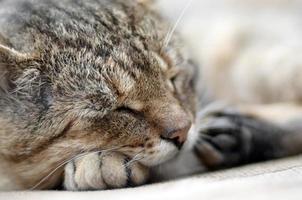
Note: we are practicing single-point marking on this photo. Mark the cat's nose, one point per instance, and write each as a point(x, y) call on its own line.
point(178, 136)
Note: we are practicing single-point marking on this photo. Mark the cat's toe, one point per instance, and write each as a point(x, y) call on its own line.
point(104, 171)
point(223, 141)
point(84, 174)
point(120, 171)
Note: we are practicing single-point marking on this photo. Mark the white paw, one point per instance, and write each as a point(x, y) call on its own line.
point(103, 171)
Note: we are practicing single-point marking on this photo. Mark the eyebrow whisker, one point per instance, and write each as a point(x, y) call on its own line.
point(173, 28)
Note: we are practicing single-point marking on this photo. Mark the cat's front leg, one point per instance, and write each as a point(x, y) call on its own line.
point(230, 138)
point(103, 171)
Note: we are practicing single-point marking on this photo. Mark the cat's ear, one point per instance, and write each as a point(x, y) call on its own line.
point(10, 65)
point(9, 55)
point(146, 2)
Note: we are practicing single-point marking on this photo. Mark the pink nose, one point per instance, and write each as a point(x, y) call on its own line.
point(177, 135)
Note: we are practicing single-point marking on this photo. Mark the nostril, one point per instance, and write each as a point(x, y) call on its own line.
point(176, 141)
point(178, 136)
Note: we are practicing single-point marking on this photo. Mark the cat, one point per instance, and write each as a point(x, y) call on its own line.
point(96, 92)
point(83, 76)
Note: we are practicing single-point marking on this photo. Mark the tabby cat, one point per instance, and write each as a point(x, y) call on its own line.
point(95, 92)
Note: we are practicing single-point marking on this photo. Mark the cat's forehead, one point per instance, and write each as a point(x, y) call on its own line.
point(124, 72)
point(108, 47)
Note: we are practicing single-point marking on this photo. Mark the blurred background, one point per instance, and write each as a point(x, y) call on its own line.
point(240, 43)
point(265, 22)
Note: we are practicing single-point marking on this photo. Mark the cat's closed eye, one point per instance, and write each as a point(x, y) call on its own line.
point(171, 84)
point(124, 109)
point(171, 77)
point(134, 108)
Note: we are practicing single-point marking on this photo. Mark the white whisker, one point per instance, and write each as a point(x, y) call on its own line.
point(67, 161)
point(133, 161)
point(136, 158)
point(173, 29)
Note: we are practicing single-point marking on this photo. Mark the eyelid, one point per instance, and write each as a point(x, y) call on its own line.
point(171, 85)
point(134, 105)
point(125, 109)
point(173, 72)
point(130, 111)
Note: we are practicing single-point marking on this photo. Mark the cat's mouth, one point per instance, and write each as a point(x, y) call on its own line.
point(161, 150)
point(160, 153)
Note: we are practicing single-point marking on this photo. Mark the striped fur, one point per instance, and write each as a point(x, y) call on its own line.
point(95, 75)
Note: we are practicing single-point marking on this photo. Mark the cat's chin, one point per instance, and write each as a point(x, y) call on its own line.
point(164, 151)
point(191, 140)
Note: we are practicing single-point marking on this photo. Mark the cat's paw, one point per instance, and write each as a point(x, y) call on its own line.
point(103, 171)
point(225, 139)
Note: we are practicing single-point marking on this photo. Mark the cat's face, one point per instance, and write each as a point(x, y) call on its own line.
point(131, 94)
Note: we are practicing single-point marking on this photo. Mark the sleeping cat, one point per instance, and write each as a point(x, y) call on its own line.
point(95, 92)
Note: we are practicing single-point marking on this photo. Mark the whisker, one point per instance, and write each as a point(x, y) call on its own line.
point(173, 29)
point(133, 161)
point(135, 158)
point(67, 161)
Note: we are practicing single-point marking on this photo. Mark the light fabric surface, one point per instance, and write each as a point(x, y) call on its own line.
point(278, 180)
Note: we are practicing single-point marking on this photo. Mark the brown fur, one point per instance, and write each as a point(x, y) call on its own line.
point(82, 76)
point(90, 85)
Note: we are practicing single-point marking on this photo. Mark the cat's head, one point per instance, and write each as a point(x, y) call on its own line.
point(75, 89)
